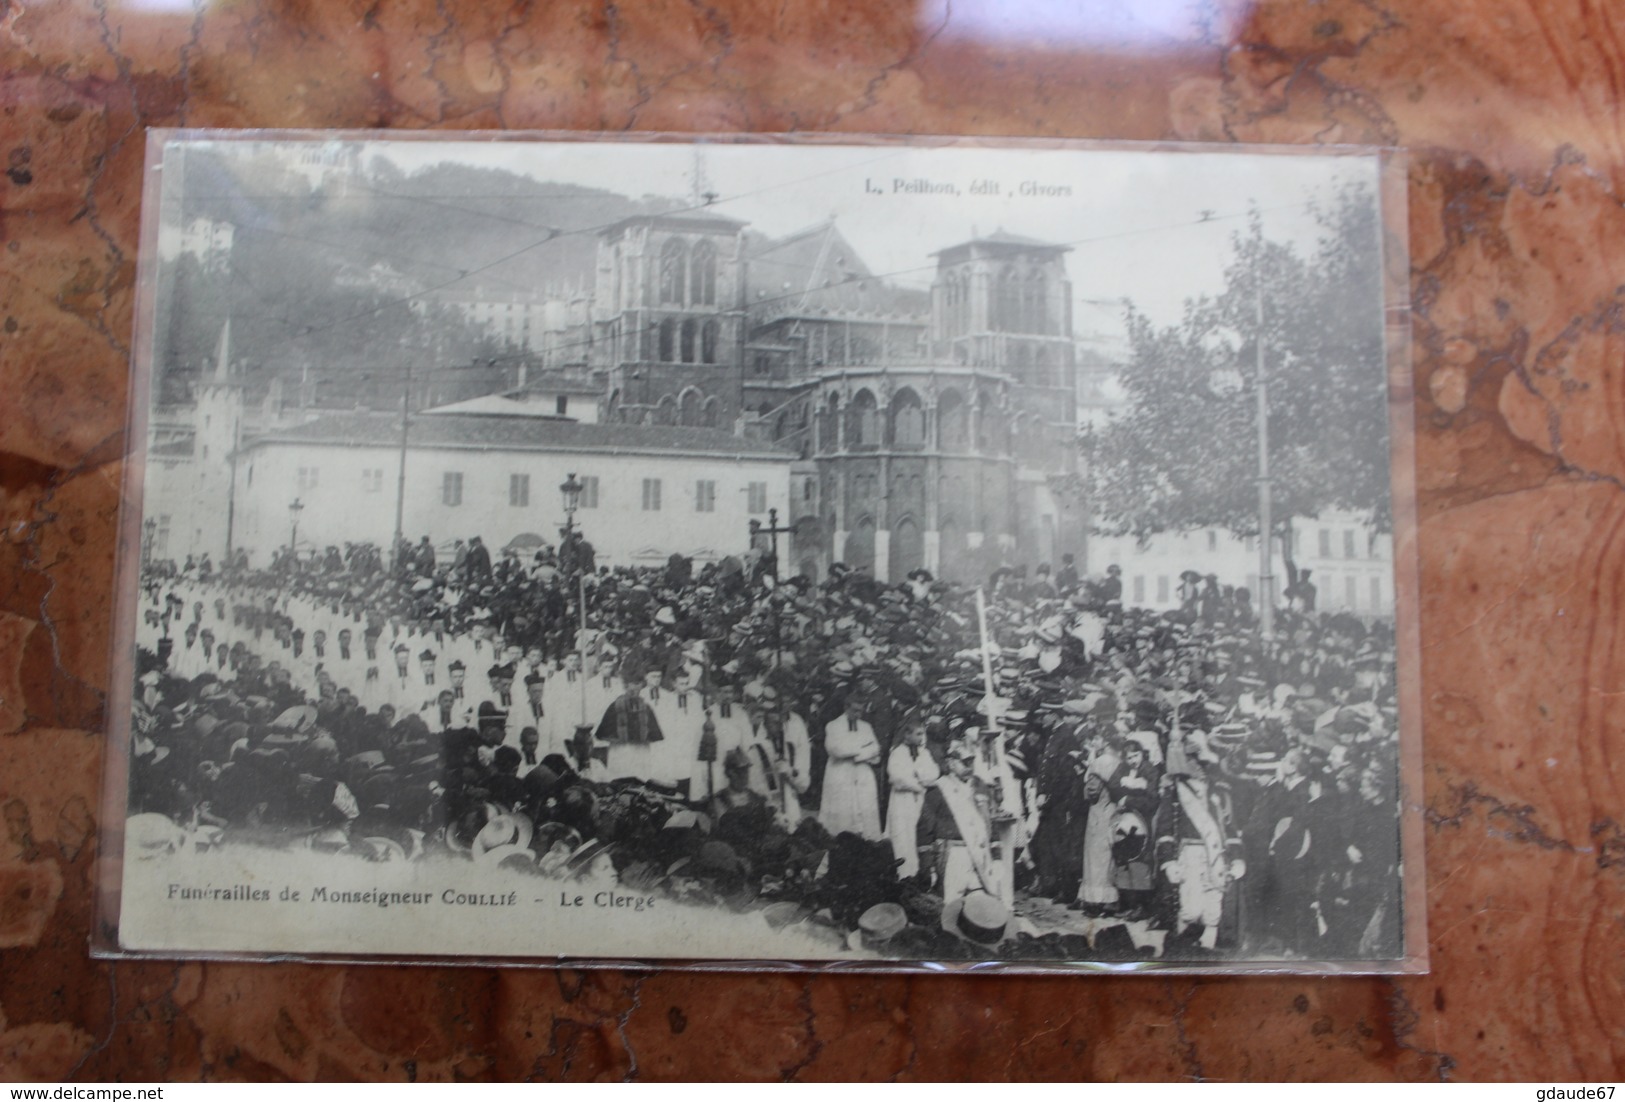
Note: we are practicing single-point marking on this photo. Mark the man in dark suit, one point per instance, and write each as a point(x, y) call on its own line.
point(477, 566)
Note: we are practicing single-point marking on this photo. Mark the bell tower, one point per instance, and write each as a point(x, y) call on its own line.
point(670, 324)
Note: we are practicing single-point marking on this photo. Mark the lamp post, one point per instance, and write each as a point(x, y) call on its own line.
point(150, 532)
point(570, 496)
point(295, 507)
point(570, 492)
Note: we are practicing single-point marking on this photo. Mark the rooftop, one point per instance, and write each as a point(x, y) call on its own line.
point(523, 433)
point(700, 219)
point(1001, 236)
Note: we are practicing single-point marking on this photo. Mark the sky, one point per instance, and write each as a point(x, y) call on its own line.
point(1149, 227)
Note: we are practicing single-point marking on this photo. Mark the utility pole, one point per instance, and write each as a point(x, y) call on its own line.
point(1266, 558)
point(400, 475)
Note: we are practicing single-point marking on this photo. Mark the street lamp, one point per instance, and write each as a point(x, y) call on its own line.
point(295, 507)
point(150, 527)
point(570, 491)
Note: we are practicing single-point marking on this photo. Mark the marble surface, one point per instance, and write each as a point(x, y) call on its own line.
point(1511, 113)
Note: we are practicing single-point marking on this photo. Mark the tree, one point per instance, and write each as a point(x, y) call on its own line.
point(1183, 451)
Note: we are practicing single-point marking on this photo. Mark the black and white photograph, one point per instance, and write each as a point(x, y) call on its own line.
point(762, 551)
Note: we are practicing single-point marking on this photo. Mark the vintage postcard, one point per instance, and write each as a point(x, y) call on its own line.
point(784, 551)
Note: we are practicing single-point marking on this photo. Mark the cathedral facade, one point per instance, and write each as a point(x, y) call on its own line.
point(935, 431)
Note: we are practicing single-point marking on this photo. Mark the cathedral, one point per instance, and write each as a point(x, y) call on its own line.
point(934, 431)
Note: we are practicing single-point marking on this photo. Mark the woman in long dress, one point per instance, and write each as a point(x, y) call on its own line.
point(1097, 893)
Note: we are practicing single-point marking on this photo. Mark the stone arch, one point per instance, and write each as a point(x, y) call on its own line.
point(711, 415)
point(688, 406)
point(666, 411)
point(907, 550)
point(907, 419)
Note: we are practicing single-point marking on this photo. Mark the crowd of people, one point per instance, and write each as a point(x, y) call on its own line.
point(1025, 769)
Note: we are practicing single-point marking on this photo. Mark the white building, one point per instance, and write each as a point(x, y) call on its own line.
point(648, 491)
point(555, 324)
point(1351, 565)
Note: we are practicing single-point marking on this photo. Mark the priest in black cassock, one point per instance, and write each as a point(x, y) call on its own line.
point(630, 729)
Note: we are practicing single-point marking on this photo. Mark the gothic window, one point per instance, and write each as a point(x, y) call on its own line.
point(908, 420)
point(1034, 305)
point(709, 338)
point(952, 422)
point(1007, 301)
point(673, 273)
point(668, 341)
point(687, 337)
point(861, 421)
point(705, 274)
point(828, 423)
point(995, 430)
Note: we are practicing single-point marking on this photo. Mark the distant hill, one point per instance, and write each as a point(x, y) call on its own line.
point(327, 262)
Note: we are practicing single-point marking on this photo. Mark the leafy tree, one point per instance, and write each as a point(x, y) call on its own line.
point(1183, 451)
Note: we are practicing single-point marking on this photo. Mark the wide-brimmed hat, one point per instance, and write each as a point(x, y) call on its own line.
point(504, 832)
point(581, 860)
point(977, 917)
point(783, 913)
point(298, 718)
point(878, 925)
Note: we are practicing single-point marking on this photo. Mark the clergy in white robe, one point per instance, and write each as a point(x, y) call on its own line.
point(781, 757)
point(910, 770)
point(851, 798)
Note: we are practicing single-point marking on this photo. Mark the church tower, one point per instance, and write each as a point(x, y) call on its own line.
point(669, 319)
point(1004, 301)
